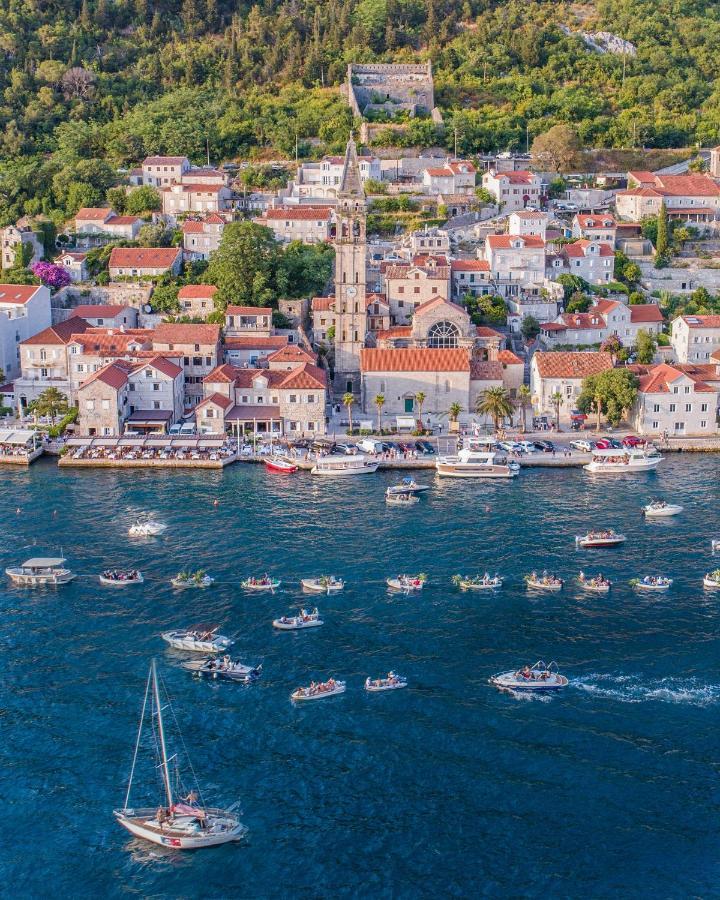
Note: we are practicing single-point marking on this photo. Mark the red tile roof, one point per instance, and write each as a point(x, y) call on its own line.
point(300, 213)
point(507, 241)
point(291, 353)
point(93, 213)
point(164, 160)
point(438, 273)
point(484, 331)
point(470, 265)
point(581, 248)
point(275, 342)
point(598, 221)
point(701, 321)
point(660, 377)
point(62, 333)
point(102, 310)
point(415, 359)
point(110, 342)
point(162, 365)
point(123, 220)
point(571, 365)
point(522, 176)
point(304, 377)
point(461, 167)
point(674, 185)
point(182, 333)
point(437, 301)
point(529, 214)
point(427, 259)
point(17, 293)
point(73, 254)
point(248, 311)
point(114, 374)
point(217, 400)
point(580, 321)
point(397, 331)
point(645, 312)
point(143, 257)
point(196, 291)
point(509, 358)
point(440, 173)
point(224, 374)
point(322, 304)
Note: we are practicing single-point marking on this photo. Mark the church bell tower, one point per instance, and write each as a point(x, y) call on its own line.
point(350, 268)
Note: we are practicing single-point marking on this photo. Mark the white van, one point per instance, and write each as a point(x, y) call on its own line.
point(187, 429)
point(368, 445)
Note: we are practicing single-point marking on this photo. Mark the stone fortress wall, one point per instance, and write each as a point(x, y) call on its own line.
point(390, 87)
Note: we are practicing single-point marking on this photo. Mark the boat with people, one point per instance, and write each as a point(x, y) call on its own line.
point(477, 582)
point(121, 577)
point(544, 581)
point(622, 461)
point(263, 583)
point(318, 690)
point(538, 678)
point(280, 466)
point(392, 682)
point(661, 508)
point(407, 583)
point(304, 619)
point(599, 584)
point(198, 639)
point(198, 579)
point(408, 486)
point(41, 571)
point(342, 464)
point(596, 539)
point(471, 463)
point(404, 500)
point(224, 668)
point(658, 583)
point(147, 528)
point(712, 580)
point(181, 821)
point(324, 584)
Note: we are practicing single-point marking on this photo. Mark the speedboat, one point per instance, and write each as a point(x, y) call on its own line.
point(121, 577)
point(658, 508)
point(397, 499)
point(344, 464)
point(712, 580)
point(407, 583)
point(658, 583)
point(325, 584)
point(265, 583)
point(149, 528)
point(40, 570)
point(544, 582)
point(537, 678)
point(599, 584)
point(392, 682)
point(179, 823)
point(329, 688)
point(305, 619)
point(198, 639)
point(607, 538)
point(224, 669)
point(407, 486)
point(477, 582)
point(197, 579)
point(469, 463)
point(623, 461)
point(280, 466)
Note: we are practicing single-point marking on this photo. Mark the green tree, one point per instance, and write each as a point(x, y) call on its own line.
point(524, 396)
point(244, 267)
point(50, 403)
point(420, 399)
point(579, 303)
point(142, 200)
point(117, 198)
point(165, 298)
point(557, 150)
point(454, 411)
point(530, 328)
point(379, 402)
point(662, 245)
point(645, 347)
point(347, 401)
point(610, 393)
point(496, 403)
point(556, 399)
point(612, 345)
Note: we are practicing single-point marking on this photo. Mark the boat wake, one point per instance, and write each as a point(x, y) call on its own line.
point(635, 689)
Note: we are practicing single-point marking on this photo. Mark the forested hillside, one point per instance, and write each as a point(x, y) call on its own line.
point(92, 85)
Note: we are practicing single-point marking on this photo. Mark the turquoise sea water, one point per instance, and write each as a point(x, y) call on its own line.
point(449, 788)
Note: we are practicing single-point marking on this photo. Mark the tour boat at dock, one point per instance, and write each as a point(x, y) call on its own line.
point(407, 583)
point(325, 584)
point(659, 509)
point(593, 539)
point(305, 619)
point(329, 688)
point(149, 528)
point(623, 461)
point(179, 823)
point(657, 583)
point(40, 571)
point(469, 463)
point(712, 580)
point(537, 678)
point(599, 584)
point(280, 466)
point(265, 583)
point(198, 639)
point(543, 582)
point(392, 682)
point(120, 577)
point(340, 465)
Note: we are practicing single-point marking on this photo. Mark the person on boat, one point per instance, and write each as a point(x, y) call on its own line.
point(526, 673)
point(161, 816)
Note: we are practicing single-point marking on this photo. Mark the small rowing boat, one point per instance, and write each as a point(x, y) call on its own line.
point(321, 691)
point(121, 577)
point(304, 619)
point(198, 639)
point(607, 538)
point(712, 580)
point(659, 509)
point(599, 584)
point(199, 579)
point(477, 582)
point(265, 583)
point(543, 582)
point(657, 583)
point(537, 678)
point(279, 466)
point(325, 584)
point(392, 682)
point(407, 583)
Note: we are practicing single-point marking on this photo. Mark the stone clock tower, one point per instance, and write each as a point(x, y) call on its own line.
point(350, 263)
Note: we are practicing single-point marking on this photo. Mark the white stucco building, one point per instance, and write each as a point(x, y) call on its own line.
point(24, 311)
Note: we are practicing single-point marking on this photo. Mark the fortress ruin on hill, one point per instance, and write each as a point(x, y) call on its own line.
point(390, 88)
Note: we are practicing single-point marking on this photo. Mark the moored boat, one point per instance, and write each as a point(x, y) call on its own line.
point(121, 577)
point(148, 528)
point(180, 823)
point(595, 539)
point(538, 678)
point(304, 619)
point(198, 639)
point(657, 583)
point(469, 463)
point(477, 582)
point(407, 583)
point(599, 584)
point(329, 688)
point(544, 581)
point(627, 460)
point(264, 583)
point(224, 669)
point(344, 464)
point(280, 466)
point(660, 509)
point(712, 580)
point(392, 682)
point(199, 579)
point(41, 571)
point(324, 584)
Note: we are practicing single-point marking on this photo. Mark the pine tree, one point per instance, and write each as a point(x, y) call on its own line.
point(661, 242)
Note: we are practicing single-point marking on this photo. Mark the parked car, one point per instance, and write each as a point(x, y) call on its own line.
point(348, 449)
point(633, 441)
point(545, 446)
point(510, 446)
point(582, 446)
point(615, 444)
point(603, 444)
point(527, 447)
point(389, 446)
point(369, 445)
point(424, 448)
point(406, 448)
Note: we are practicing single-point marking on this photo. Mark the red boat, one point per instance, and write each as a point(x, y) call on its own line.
point(280, 466)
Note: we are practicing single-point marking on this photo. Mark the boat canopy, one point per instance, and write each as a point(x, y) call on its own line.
point(44, 562)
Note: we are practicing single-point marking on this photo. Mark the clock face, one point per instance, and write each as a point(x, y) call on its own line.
point(351, 291)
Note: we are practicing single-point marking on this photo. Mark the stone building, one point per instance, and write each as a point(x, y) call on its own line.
point(390, 88)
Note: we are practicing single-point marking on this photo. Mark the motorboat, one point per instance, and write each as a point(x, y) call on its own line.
point(477, 582)
point(392, 682)
point(344, 464)
point(405, 500)
point(264, 583)
point(715, 544)
point(659, 508)
point(148, 528)
point(329, 688)
point(223, 668)
point(407, 486)
point(658, 583)
point(325, 584)
point(304, 619)
point(538, 678)
point(180, 823)
point(41, 570)
point(469, 463)
point(599, 584)
point(121, 577)
point(280, 466)
point(596, 539)
point(543, 582)
point(407, 583)
point(198, 639)
point(712, 580)
point(199, 579)
point(626, 460)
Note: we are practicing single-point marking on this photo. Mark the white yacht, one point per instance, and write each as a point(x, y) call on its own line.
point(41, 570)
point(623, 461)
point(470, 463)
point(342, 464)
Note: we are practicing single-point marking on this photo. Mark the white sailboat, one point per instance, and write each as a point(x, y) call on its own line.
point(183, 824)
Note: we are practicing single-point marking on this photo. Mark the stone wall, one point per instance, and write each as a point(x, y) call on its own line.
point(393, 87)
point(121, 293)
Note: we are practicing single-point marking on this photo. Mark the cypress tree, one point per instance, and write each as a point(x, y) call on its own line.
point(661, 242)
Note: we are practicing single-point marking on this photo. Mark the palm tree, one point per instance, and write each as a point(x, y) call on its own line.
point(51, 402)
point(524, 394)
point(496, 403)
point(379, 401)
point(420, 398)
point(347, 401)
point(454, 411)
point(556, 399)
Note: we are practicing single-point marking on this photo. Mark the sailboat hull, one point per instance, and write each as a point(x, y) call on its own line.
point(184, 833)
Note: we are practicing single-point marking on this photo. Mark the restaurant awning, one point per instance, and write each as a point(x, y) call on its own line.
point(150, 416)
point(210, 443)
point(79, 442)
point(185, 442)
point(131, 442)
point(106, 442)
point(249, 413)
point(159, 441)
point(18, 437)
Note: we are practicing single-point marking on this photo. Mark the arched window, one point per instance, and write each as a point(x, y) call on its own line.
point(443, 334)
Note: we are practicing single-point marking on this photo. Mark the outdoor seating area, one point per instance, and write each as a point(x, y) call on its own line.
point(203, 451)
point(19, 446)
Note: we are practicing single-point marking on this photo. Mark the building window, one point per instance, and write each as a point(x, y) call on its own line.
point(443, 334)
point(89, 405)
point(703, 407)
point(688, 407)
point(679, 426)
point(293, 398)
point(656, 407)
point(703, 424)
point(311, 398)
point(156, 404)
point(655, 426)
point(156, 386)
point(672, 407)
point(106, 404)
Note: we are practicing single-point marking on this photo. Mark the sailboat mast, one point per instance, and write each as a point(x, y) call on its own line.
point(161, 732)
point(137, 742)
